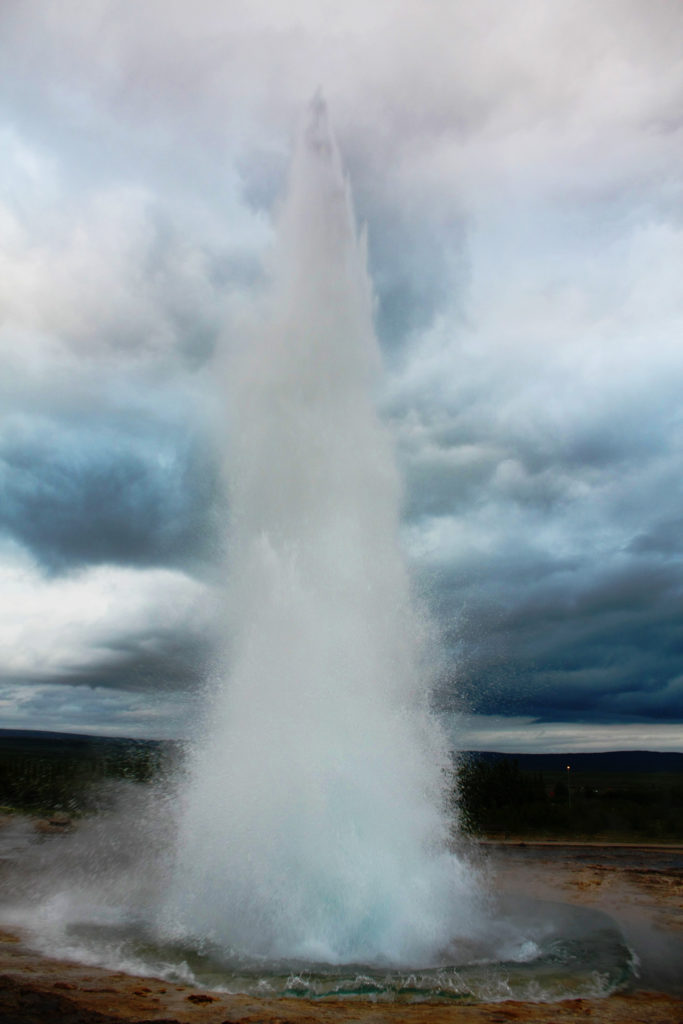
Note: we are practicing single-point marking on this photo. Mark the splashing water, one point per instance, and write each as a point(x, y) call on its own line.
point(313, 822)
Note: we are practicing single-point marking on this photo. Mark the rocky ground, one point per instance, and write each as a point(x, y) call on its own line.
point(642, 888)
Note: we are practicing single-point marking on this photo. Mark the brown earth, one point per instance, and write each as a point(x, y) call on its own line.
point(641, 888)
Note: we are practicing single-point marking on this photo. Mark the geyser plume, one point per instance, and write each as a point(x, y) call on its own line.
point(313, 822)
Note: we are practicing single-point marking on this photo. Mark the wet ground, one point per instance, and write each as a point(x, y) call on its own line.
point(639, 887)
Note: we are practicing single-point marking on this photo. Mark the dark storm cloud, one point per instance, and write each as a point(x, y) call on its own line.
point(663, 537)
point(519, 174)
point(86, 496)
point(600, 644)
point(158, 661)
point(413, 267)
point(471, 448)
point(154, 660)
point(555, 567)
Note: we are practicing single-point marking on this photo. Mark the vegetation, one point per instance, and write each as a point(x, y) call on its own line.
point(527, 797)
point(498, 798)
point(44, 773)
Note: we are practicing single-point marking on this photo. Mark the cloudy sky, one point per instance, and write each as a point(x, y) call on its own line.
point(520, 169)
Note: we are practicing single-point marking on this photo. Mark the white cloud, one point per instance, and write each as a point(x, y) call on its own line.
point(109, 286)
point(519, 735)
point(68, 626)
point(100, 711)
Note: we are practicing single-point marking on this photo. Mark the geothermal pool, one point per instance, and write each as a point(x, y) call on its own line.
point(551, 952)
point(91, 897)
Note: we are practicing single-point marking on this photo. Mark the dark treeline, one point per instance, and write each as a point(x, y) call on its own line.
point(599, 797)
point(46, 772)
point(497, 798)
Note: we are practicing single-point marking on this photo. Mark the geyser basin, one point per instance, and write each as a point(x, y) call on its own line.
point(90, 897)
point(536, 950)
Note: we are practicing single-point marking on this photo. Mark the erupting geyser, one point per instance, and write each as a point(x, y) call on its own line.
point(312, 855)
point(313, 822)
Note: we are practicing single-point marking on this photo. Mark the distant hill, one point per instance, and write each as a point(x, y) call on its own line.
point(623, 795)
point(39, 742)
point(46, 771)
point(609, 761)
point(44, 742)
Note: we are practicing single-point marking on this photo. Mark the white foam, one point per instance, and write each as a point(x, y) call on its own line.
point(313, 823)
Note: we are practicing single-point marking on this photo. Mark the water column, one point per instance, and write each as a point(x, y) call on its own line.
point(313, 822)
